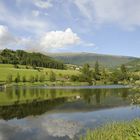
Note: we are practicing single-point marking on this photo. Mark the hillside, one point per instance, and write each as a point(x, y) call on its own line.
point(25, 58)
point(134, 65)
point(91, 58)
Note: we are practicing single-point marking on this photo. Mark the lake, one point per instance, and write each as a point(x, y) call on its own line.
point(40, 113)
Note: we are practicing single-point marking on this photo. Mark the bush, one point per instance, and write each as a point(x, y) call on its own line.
point(24, 79)
point(17, 79)
point(32, 79)
point(42, 78)
point(16, 66)
point(27, 67)
point(9, 78)
point(74, 78)
point(36, 78)
point(52, 76)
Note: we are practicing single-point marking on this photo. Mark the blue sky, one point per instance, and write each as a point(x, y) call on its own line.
point(98, 26)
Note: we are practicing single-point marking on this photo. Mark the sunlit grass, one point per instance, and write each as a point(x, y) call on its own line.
point(116, 131)
point(8, 69)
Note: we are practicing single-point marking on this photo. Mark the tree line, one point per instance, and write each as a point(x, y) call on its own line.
point(103, 75)
point(33, 59)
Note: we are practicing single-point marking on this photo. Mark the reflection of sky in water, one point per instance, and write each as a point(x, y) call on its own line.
point(64, 115)
point(61, 125)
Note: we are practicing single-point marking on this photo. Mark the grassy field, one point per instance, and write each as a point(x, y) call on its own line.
point(116, 131)
point(8, 69)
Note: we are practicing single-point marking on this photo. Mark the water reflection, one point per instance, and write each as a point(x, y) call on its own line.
point(39, 113)
point(19, 102)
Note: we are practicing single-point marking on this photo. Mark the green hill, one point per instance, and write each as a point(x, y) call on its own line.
point(91, 58)
point(134, 65)
point(25, 58)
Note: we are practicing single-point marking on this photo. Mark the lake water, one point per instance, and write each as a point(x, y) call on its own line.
point(38, 113)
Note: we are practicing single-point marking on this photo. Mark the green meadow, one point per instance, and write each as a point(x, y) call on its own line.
point(9, 69)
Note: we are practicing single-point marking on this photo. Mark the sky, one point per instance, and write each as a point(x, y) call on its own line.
point(95, 26)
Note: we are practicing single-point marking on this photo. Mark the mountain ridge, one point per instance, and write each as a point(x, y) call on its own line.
point(86, 57)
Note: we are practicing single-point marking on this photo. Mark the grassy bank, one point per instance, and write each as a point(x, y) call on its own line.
point(8, 69)
point(62, 76)
point(48, 83)
point(28, 75)
point(116, 131)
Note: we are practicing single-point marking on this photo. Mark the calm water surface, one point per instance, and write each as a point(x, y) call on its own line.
point(39, 113)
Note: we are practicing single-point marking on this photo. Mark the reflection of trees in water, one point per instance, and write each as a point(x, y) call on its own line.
point(33, 108)
point(42, 93)
point(135, 98)
point(17, 93)
point(60, 92)
point(24, 92)
point(91, 96)
point(46, 95)
point(37, 92)
point(124, 94)
point(53, 93)
point(9, 93)
point(98, 96)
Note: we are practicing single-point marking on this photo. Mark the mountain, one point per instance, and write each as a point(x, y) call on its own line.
point(91, 58)
point(25, 58)
point(134, 65)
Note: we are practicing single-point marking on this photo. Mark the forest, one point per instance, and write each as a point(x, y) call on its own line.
point(21, 57)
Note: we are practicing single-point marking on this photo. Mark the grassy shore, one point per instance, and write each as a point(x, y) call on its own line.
point(48, 83)
point(8, 69)
point(116, 131)
point(62, 76)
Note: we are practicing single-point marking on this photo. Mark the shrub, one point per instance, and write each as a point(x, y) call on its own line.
point(52, 76)
point(32, 79)
point(16, 66)
point(17, 79)
point(9, 78)
point(74, 78)
point(42, 78)
point(24, 79)
point(36, 78)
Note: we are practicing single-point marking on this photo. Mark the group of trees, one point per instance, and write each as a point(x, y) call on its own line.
point(23, 78)
point(94, 75)
point(33, 59)
point(100, 74)
point(31, 78)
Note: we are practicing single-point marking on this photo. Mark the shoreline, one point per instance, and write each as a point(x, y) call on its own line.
point(101, 86)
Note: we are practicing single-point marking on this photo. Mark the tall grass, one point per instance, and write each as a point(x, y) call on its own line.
point(116, 131)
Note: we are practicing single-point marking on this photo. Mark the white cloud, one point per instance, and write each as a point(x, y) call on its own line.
point(123, 12)
point(50, 41)
point(45, 4)
point(6, 38)
point(58, 39)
